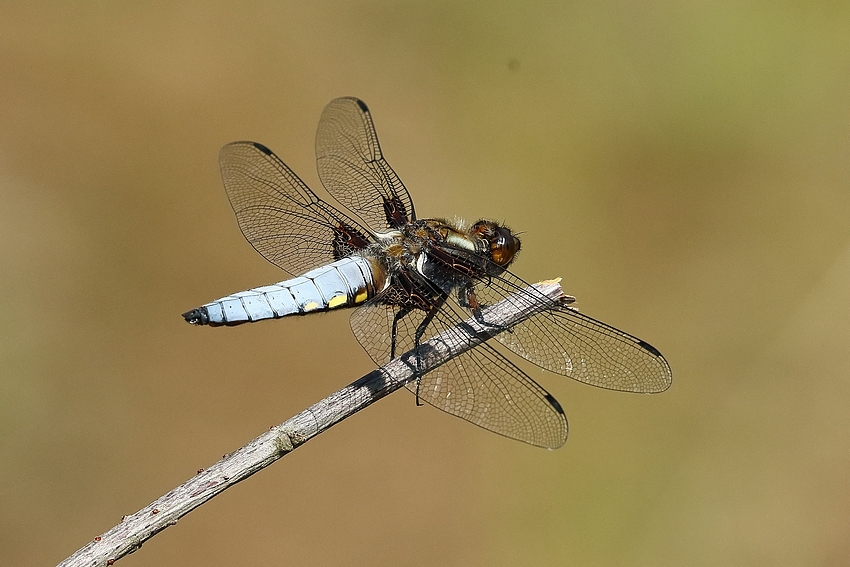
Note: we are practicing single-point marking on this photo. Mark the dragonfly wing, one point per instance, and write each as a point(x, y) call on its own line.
point(570, 343)
point(480, 386)
point(353, 169)
point(280, 216)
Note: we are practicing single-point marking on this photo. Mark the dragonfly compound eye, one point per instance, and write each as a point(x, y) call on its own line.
point(503, 246)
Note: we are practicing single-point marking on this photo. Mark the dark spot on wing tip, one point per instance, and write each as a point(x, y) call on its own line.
point(554, 403)
point(362, 105)
point(262, 148)
point(648, 347)
point(199, 316)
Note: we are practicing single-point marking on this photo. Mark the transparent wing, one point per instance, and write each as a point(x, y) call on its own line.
point(353, 169)
point(480, 386)
point(570, 343)
point(280, 216)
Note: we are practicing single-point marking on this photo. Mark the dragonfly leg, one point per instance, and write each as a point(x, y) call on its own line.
point(398, 317)
point(470, 301)
point(417, 340)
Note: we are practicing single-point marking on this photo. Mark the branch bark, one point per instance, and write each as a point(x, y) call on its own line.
point(134, 530)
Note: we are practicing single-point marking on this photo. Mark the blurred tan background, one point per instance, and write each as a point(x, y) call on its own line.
point(683, 166)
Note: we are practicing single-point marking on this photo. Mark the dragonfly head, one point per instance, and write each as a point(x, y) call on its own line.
point(503, 244)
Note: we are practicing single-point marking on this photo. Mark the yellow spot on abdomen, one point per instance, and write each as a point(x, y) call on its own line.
point(337, 301)
point(311, 306)
point(361, 296)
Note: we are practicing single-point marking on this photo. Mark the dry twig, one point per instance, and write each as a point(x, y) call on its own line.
point(134, 530)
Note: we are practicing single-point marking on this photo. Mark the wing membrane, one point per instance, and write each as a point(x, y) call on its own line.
point(353, 169)
point(480, 386)
point(570, 343)
point(280, 216)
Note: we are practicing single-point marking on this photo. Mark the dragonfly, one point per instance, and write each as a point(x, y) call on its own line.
point(410, 279)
